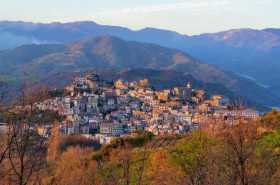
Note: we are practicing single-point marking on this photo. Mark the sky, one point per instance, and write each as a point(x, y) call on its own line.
point(184, 16)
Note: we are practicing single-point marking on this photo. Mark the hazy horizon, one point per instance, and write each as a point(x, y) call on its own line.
point(138, 29)
point(190, 17)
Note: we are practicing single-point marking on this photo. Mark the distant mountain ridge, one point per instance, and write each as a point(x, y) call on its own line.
point(73, 31)
point(50, 62)
point(249, 52)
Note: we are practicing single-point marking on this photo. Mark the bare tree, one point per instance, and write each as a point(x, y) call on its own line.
point(24, 152)
point(5, 139)
point(240, 145)
point(142, 165)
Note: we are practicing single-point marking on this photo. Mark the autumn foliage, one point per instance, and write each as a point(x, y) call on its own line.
point(236, 154)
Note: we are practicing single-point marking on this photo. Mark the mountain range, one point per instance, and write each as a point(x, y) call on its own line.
point(243, 61)
point(124, 59)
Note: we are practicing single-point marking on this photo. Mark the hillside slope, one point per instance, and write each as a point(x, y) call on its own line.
point(113, 53)
point(247, 52)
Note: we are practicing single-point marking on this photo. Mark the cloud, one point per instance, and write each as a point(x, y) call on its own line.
point(191, 4)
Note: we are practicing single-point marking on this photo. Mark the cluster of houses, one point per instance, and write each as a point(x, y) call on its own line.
point(103, 111)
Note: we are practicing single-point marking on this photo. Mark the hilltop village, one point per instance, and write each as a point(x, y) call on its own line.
point(103, 111)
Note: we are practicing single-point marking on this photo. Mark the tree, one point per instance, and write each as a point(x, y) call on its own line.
point(74, 167)
point(268, 159)
point(26, 153)
point(5, 143)
point(25, 150)
point(240, 143)
point(192, 156)
point(124, 157)
point(161, 171)
point(54, 144)
point(272, 119)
